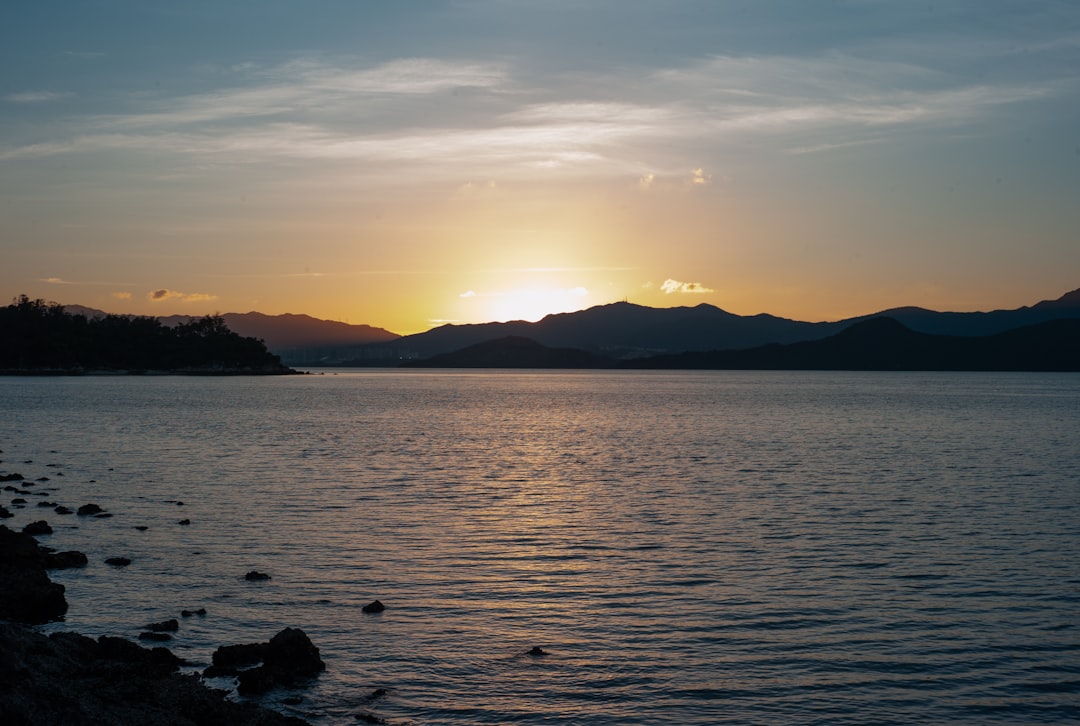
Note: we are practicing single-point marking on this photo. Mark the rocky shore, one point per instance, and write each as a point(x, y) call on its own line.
point(65, 678)
point(68, 678)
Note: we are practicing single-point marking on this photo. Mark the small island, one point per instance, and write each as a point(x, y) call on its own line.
point(41, 338)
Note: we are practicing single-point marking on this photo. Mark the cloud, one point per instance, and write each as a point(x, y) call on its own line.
point(672, 286)
point(467, 294)
point(55, 281)
point(698, 177)
point(163, 294)
point(35, 96)
point(122, 295)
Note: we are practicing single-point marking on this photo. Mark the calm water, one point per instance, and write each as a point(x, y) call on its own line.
point(690, 548)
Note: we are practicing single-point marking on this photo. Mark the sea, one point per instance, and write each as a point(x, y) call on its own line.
point(716, 547)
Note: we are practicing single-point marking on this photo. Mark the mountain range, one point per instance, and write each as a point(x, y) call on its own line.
point(875, 344)
point(622, 331)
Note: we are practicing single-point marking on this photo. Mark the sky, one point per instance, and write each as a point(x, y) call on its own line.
point(409, 164)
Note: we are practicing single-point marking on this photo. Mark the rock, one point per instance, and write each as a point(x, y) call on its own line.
point(11, 477)
point(46, 504)
point(18, 500)
point(289, 657)
point(373, 607)
point(234, 656)
point(184, 522)
point(64, 560)
point(537, 650)
point(88, 509)
point(256, 576)
point(67, 678)
point(27, 595)
point(164, 626)
point(61, 509)
point(156, 637)
point(118, 561)
point(103, 515)
point(5, 513)
point(141, 527)
point(292, 700)
point(365, 717)
point(43, 478)
point(201, 612)
point(37, 528)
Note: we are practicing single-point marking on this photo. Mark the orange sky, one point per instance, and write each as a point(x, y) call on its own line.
point(464, 162)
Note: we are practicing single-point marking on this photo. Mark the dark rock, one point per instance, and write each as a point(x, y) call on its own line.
point(43, 478)
point(64, 560)
point(39, 527)
point(118, 561)
point(5, 513)
point(236, 656)
point(184, 521)
point(289, 657)
point(103, 515)
point(88, 509)
point(18, 500)
point(67, 678)
point(365, 717)
point(376, 694)
point(373, 607)
point(164, 626)
point(292, 700)
point(141, 527)
point(201, 612)
point(179, 504)
point(46, 504)
point(156, 637)
point(10, 488)
point(537, 650)
point(256, 576)
point(11, 477)
point(62, 510)
point(26, 593)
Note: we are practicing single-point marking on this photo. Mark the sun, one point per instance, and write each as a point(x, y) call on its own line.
point(529, 304)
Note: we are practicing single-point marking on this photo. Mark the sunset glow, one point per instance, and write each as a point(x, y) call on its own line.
point(372, 162)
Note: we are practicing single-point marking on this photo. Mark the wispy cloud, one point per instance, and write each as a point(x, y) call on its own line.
point(35, 96)
point(164, 294)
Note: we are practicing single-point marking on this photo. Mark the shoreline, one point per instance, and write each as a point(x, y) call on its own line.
point(63, 677)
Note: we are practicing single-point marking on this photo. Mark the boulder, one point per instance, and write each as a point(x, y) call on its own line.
point(288, 658)
point(61, 509)
point(373, 607)
point(256, 576)
point(88, 509)
point(164, 626)
point(5, 513)
point(118, 561)
point(27, 594)
point(36, 528)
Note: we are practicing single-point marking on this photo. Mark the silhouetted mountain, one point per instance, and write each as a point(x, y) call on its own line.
point(884, 344)
point(513, 352)
point(625, 330)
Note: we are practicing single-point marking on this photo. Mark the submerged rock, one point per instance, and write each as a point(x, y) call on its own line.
point(156, 637)
point(256, 576)
point(184, 522)
point(61, 509)
point(88, 509)
point(118, 561)
point(39, 527)
point(373, 607)
point(188, 613)
point(64, 560)
point(171, 625)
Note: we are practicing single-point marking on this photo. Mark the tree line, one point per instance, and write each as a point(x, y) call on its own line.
point(38, 336)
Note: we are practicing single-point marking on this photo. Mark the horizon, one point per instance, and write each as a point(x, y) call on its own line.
point(471, 161)
point(377, 326)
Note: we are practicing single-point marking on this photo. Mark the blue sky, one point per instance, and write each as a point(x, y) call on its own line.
point(410, 163)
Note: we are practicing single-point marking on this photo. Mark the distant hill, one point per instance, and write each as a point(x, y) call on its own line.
point(624, 330)
point(513, 352)
point(884, 344)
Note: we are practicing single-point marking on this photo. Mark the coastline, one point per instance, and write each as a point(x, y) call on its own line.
point(65, 678)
